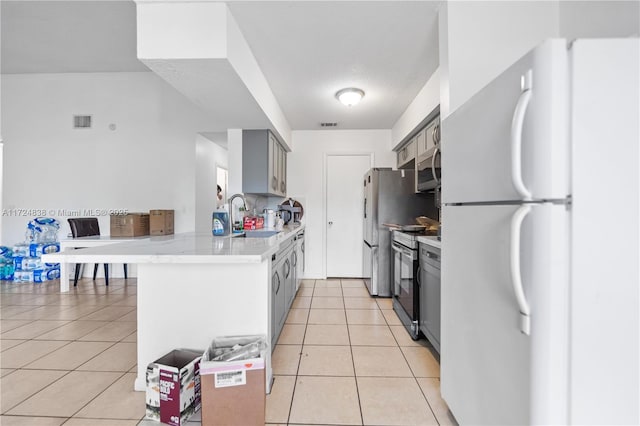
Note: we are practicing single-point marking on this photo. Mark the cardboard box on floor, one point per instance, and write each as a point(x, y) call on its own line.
point(161, 222)
point(130, 225)
point(233, 392)
point(173, 387)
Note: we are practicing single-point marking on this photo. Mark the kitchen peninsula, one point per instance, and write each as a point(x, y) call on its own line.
point(193, 287)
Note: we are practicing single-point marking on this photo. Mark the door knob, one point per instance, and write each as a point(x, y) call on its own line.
point(330, 223)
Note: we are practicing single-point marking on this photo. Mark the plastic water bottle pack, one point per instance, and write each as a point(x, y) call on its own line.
point(22, 263)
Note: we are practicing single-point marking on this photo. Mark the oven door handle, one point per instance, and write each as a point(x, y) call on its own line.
point(403, 251)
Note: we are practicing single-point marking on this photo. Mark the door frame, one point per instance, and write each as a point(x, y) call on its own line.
point(225, 188)
point(325, 177)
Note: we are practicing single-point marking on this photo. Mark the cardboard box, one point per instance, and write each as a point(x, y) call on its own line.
point(173, 387)
point(161, 222)
point(233, 392)
point(130, 225)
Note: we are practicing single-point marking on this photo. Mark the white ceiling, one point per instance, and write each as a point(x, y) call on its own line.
point(68, 36)
point(306, 50)
point(310, 50)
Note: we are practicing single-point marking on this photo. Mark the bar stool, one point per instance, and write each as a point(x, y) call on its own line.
point(88, 227)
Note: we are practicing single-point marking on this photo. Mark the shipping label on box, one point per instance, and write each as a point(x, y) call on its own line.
point(173, 387)
point(225, 379)
point(231, 373)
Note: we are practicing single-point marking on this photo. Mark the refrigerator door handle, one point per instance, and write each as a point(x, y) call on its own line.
point(516, 137)
point(516, 277)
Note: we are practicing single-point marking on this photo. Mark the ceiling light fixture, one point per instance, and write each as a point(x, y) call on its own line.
point(350, 96)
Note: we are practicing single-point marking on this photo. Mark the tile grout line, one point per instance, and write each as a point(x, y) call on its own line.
point(68, 342)
point(97, 396)
point(4, 412)
point(353, 362)
point(414, 374)
point(295, 380)
point(427, 399)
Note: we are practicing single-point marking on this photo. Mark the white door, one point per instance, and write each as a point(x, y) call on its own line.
point(345, 200)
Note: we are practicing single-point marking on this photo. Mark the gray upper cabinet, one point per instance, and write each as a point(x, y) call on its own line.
point(407, 155)
point(281, 169)
point(421, 144)
point(264, 164)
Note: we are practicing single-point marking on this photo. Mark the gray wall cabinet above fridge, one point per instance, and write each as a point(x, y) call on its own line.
point(264, 164)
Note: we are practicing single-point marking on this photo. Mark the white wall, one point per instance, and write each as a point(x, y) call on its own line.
point(422, 105)
point(599, 19)
point(147, 162)
point(480, 39)
point(245, 64)
point(305, 177)
point(209, 156)
point(234, 144)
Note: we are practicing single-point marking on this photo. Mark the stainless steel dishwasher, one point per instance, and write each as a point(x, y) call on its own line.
point(430, 293)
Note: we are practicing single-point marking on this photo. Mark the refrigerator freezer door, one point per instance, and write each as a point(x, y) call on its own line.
point(492, 372)
point(510, 141)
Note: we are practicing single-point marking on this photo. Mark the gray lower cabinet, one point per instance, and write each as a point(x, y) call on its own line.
point(283, 287)
point(290, 277)
point(278, 311)
point(430, 293)
point(299, 258)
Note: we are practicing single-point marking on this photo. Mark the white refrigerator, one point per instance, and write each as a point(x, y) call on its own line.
point(540, 189)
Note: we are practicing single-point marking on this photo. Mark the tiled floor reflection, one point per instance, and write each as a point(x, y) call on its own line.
point(342, 359)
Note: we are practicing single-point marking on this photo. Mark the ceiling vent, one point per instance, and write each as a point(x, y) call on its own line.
point(81, 121)
point(328, 124)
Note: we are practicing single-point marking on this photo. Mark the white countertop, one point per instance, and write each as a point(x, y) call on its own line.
point(431, 240)
point(179, 248)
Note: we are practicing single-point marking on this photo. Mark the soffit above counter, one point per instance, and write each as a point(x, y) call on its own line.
point(198, 49)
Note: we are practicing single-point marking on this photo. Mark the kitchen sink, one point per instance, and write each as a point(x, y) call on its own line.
point(259, 233)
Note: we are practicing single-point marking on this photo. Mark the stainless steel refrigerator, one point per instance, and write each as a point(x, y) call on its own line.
point(389, 197)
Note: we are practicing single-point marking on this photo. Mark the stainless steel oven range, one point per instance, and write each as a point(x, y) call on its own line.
point(406, 289)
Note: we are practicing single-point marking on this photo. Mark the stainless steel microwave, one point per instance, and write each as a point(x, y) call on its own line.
point(429, 162)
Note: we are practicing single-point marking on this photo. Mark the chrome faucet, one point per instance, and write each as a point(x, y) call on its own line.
point(230, 201)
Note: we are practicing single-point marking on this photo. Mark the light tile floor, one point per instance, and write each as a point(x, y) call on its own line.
point(342, 358)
